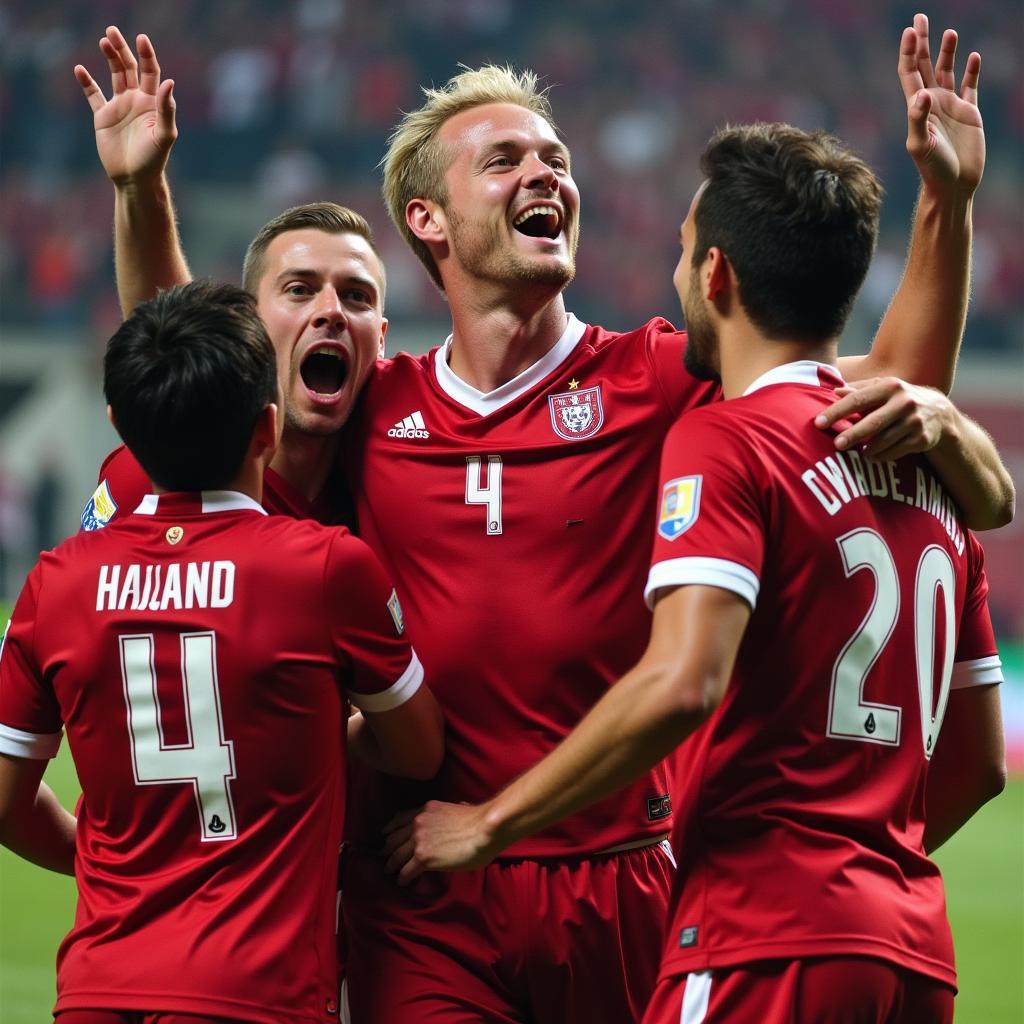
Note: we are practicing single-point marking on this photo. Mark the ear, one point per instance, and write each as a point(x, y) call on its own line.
point(265, 434)
point(718, 279)
point(110, 417)
point(383, 332)
point(426, 220)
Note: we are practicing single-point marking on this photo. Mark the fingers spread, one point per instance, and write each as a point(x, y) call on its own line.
point(924, 60)
point(124, 54)
point(910, 75)
point(969, 89)
point(93, 93)
point(944, 62)
point(149, 69)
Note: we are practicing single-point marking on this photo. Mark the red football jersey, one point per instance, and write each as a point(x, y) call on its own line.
point(511, 523)
point(196, 654)
point(800, 810)
point(123, 483)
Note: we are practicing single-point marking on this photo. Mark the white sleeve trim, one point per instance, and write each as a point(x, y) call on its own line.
point(396, 694)
point(35, 746)
point(980, 672)
point(711, 572)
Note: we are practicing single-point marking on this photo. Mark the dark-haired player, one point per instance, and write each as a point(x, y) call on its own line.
point(198, 654)
point(817, 617)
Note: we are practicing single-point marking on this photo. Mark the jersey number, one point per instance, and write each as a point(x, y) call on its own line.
point(850, 716)
point(489, 494)
point(206, 759)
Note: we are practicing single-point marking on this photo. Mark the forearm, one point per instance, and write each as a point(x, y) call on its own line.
point(147, 250)
point(968, 463)
point(629, 730)
point(44, 834)
point(919, 336)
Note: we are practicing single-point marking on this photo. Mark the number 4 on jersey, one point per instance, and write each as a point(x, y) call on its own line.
point(207, 759)
point(489, 494)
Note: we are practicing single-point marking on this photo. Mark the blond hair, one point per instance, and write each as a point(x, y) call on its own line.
point(415, 162)
point(330, 218)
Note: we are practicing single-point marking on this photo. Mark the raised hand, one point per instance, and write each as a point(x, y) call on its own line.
point(945, 136)
point(135, 128)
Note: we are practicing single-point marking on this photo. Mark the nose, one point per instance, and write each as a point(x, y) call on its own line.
point(539, 175)
point(329, 311)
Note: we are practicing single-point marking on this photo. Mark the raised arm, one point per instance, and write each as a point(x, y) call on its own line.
point(919, 337)
point(649, 712)
point(135, 130)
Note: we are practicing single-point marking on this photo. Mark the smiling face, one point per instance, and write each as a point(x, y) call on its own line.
point(512, 213)
point(320, 297)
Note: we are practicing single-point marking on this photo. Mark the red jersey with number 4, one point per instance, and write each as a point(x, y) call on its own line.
point(123, 484)
point(800, 811)
point(199, 655)
point(511, 523)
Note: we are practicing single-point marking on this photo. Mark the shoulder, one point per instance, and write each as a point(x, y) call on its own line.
point(655, 332)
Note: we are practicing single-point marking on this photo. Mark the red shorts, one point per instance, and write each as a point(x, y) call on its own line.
point(840, 990)
point(545, 941)
point(132, 1017)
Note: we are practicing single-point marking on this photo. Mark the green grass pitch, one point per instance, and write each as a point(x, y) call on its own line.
point(984, 869)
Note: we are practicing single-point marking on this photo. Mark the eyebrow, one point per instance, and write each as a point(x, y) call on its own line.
point(514, 145)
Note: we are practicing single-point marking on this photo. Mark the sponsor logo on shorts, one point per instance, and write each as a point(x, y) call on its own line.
point(577, 414)
point(688, 937)
point(99, 509)
point(680, 506)
point(659, 807)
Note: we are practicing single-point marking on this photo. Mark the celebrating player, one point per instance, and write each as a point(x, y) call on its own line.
point(199, 654)
point(502, 479)
point(817, 615)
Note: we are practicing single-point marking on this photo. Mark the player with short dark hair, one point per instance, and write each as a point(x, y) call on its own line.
point(817, 615)
point(200, 654)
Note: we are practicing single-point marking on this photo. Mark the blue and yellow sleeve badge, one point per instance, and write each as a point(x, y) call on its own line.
point(99, 509)
point(395, 607)
point(680, 506)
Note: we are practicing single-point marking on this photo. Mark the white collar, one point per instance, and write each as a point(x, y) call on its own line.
point(804, 371)
point(213, 501)
point(484, 403)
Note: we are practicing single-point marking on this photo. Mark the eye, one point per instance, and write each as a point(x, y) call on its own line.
point(559, 163)
point(358, 295)
point(500, 161)
point(298, 289)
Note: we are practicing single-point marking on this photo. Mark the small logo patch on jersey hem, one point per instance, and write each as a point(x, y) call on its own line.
point(395, 607)
point(99, 509)
point(680, 506)
point(688, 937)
point(577, 414)
point(658, 807)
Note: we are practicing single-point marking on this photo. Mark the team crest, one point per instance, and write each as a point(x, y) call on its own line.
point(680, 506)
point(577, 414)
point(395, 607)
point(99, 509)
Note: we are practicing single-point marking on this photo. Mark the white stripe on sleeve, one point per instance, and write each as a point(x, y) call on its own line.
point(980, 672)
point(36, 746)
point(711, 572)
point(396, 694)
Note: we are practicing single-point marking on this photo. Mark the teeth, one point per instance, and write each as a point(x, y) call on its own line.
point(323, 350)
point(534, 210)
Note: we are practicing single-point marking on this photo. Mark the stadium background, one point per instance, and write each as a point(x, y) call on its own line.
point(280, 103)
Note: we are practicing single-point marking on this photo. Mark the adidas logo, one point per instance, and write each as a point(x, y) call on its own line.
point(410, 426)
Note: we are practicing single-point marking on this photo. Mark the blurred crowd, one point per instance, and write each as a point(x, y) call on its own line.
point(290, 102)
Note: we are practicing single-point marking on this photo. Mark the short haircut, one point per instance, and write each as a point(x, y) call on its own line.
point(187, 377)
point(330, 218)
point(415, 162)
point(796, 214)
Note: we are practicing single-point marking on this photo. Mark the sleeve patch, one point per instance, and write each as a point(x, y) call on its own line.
point(680, 506)
point(99, 509)
point(395, 608)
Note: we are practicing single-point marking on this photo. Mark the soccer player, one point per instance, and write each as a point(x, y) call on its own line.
point(317, 278)
point(817, 615)
point(502, 478)
point(199, 654)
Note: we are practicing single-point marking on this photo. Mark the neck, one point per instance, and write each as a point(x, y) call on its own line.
point(495, 338)
point(745, 354)
point(305, 460)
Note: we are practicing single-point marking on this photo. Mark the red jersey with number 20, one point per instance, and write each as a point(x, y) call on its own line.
point(801, 801)
point(198, 655)
point(509, 522)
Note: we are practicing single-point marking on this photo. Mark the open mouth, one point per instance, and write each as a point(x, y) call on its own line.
point(324, 371)
point(539, 222)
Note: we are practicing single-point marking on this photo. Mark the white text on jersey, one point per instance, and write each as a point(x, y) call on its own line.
point(410, 426)
point(839, 478)
point(157, 588)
